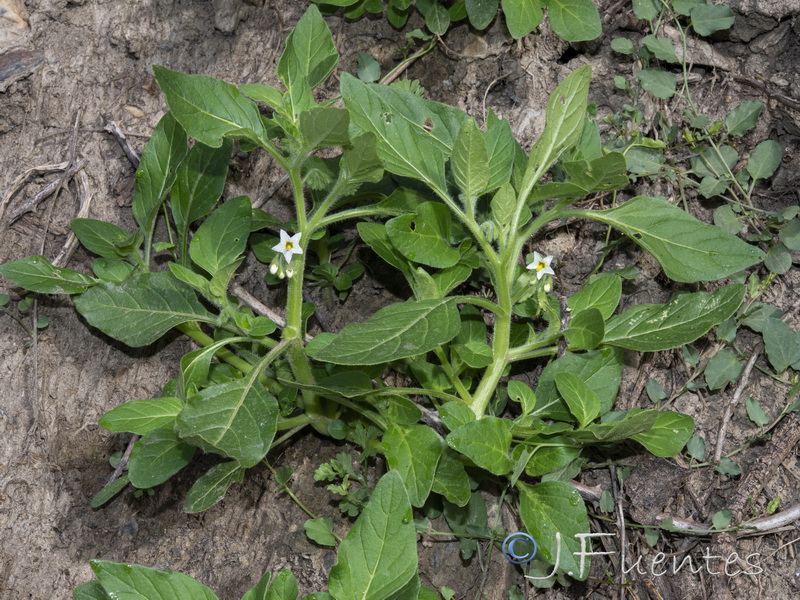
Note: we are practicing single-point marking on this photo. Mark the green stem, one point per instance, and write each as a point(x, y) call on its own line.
point(192, 329)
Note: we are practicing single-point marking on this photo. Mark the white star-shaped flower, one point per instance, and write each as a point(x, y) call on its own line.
point(541, 264)
point(288, 245)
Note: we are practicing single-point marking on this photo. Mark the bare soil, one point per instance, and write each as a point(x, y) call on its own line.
point(68, 66)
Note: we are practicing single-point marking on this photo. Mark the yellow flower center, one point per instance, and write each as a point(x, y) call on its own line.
point(540, 265)
point(289, 245)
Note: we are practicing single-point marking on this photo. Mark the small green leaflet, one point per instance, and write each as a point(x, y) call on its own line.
point(397, 331)
point(586, 329)
point(236, 419)
point(470, 161)
point(222, 238)
point(522, 16)
point(110, 491)
point(781, 344)
point(321, 531)
point(574, 20)
point(157, 456)
point(141, 309)
point(209, 109)
point(744, 117)
point(764, 160)
point(688, 249)
point(710, 18)
point(662, 84)
point(553, 507)
point(486, 442)
point(379, 555)
point(413, 451)
point(131, 582)
point(141, 416)
point(211, 487)
point(582, 401)
point(104, 239)
point(654, 327)
point(35, 273)
point(602, 293)
point(723, 368)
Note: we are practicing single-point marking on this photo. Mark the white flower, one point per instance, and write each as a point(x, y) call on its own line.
point(288, 245)
point(541, 264)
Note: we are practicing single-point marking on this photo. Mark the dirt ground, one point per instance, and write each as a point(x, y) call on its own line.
point(67, 66)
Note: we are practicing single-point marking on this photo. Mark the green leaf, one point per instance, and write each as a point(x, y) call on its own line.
point(110, 491)
point(321, 531)
point(711, 163)
point(503, 204)
point(35, 273)
point(211, 487)
point(790, 235)
point(222, 238)
point(744, 117)
point(437, 19)
point(94, 591)
point(157, 170)
point(415, 136)
point(451, 479)
point(360, 162)
point(466, 521)
point(157, 456)
point(369, 69)
point(132, 582)
point(481, 12)
point(623, 46)
point(104, 239)
point(723, 368)
point(661, 48)
point(764, 160)
point(728, 466)
point(141, 416)
point(646, 9)
point(198, 185)
point(755, 413)
point(455, 414)
point(379, 555)
point(323, 127)
point(603, 293)
point(655, 391)
point(566, 110)
point(574, 20)
point(283, 587)
point(726, 219)
point(668, 435)
point(710, 18)
point(781, 344)
point(654, 327)
point(684, 7)
point(661, 84)
point(688, 249)
point(397, 331)
point(696, 447)
point(582, 401)
point(141, 309)
point(310, 49)
point(422, 236)
point(644, 161)
point(486, 442)
point(413, 451)
point(209, 109)
point(550, 508)
point(522, 16)
point(519, 392)
point(236, 419)
point(586, 329)
point(778, 259)
point(470, 161)
point(502, 148)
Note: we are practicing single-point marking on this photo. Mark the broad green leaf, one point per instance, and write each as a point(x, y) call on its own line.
point(283, 587)
point(662, 84)
point(726, 219)
point(646, 9)
point(470, 161)
point(582, 401)
point(264, 93)
point(451, 479)
point(369, 69)
point(781, 344)
point(501, 147)
point(744, 117)
point(644, 161)
point(397, 331)
point(133, 582)
point(413, 451)
point(310, 47)
point(654, 327)
point(374, 235)
point(195, 364)
point(481, 12)
point(141, 309)
point(764, 160)
point(710, 18)
point(437, 19)
point(566, 110)
point(586, 329)
point(601, 370)
point(520, 392)
point(467, 521)
point(222, 238)
point(603, 293)
point(555, 453)
point(422, 236)
point(157, 170)
point(623, 46)
point(661, 48)
point(710, 163)
point(110, 491)
point(360, 162)
point(723, 368)
point(415, 136)
point(448, 279)
point(574, 20)
point(323, 127)
point(778, 259)
point(104, 239)
point(790, 235)
point(209, 109)
point(198, 185)
point(522, 16)
point(684, 7)
point(94, 591)
point(688, 249)
point(211, 487)
point(157, 456)
point(503, 204)
point(109, 269)
point(631, 423)
point(455, 414)
point(141, 416)
point(35, 273)
point(321, 531)
point(236, 419)
point(379, 555)
point(755, 413)
point(668, 435)
point(485, 442)
point(552, 510)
